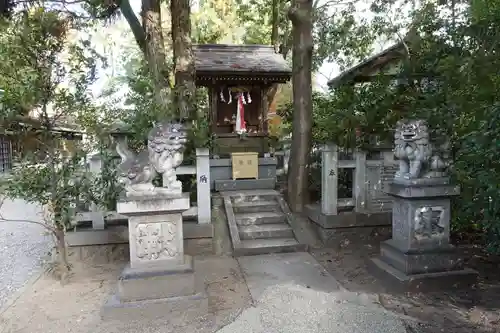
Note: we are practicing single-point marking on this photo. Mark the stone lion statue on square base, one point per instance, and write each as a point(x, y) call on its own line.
point(418, 157)
point(165, 152)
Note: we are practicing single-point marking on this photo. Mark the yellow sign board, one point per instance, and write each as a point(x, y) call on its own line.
point(245, 165)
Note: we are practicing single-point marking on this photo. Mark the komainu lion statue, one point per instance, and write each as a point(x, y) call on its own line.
point(418, 158)
point(164, 153)
point(166, 144)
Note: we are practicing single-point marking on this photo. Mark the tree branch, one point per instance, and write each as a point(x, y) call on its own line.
point(62, 2)
point(52, 229)
point(134, 23)
point(2, 219)
point(287, 45)
point(400, 37)
point(275, 25)
point(329, 3)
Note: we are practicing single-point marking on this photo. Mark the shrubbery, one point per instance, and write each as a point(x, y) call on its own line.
point(450, 79)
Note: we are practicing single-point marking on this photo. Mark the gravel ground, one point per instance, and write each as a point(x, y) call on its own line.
point(23, 247)
point(294, 308)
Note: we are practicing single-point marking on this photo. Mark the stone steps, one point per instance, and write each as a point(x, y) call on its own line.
point(258, 224)
point(258, 231)
point(256, 206)
point(266, 246)
point(260, 218)
point(252, 197)
point(244, 184)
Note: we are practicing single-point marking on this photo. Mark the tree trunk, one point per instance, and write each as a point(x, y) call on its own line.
point(275, 25)
point(275, 41)
point(135, 25)
point(62, 255)
point(300, 13)
point(155, 51)
point(185, 88)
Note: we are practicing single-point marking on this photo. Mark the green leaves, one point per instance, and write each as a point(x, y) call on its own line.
point(451, 80)
point(46, 77)
point(341, 37)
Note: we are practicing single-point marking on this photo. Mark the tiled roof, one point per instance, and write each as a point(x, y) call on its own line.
point(239, 59)
point(31, 122)
point(396, 51)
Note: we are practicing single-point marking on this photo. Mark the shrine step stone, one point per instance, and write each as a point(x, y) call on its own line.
point(267, 246)
point(279, 230)
point(252, 196)
point(256, 206)
point(258, 223)
point(245, 184)
point(260, 218)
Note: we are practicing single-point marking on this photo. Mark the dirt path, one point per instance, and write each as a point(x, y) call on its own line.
point(470, 311)
point(46, 306)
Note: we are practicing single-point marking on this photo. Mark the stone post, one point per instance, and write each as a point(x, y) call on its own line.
point(329, 179)
point(419, 255)
point(203, 185)
point(360, 181)
point(97, 216)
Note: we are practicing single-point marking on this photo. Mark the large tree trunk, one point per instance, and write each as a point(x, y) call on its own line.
point(301, 16)
point(185, 88)
point(155, 51)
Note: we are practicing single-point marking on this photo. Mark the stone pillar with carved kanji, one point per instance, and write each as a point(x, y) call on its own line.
point(155, 230)
point(419, 255)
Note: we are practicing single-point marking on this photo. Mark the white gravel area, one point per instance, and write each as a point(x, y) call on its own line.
point(293, 308)
point(23, 247)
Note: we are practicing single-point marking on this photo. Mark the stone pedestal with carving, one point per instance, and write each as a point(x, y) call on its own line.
point(159, 278)
point(419, 256)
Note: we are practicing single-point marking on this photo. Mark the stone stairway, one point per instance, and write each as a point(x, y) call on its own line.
point(258, 223)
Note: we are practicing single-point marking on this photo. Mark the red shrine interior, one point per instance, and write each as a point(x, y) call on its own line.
point(227, 107)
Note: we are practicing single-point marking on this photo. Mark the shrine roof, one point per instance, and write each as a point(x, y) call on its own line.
point(364, 69)
point(250, 60)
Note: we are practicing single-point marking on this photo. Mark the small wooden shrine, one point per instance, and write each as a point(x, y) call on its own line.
point(238, 78)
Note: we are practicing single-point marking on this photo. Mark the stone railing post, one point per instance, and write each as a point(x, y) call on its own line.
point(203, 185)
point(95, 163)
point(97, 216)
point(329, 179)
point(360, 181)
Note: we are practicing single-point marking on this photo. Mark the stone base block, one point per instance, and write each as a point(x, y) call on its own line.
point(155, 292)
point(347, 219)
point(397, 280)
point(99, 254)
point(148, 204)
point(199, 246)
point(245, 184)
point(422, 190)
point(417, 262)
point(187, 307)
point(422, 181)
point(334, 237)
point(156, 282)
